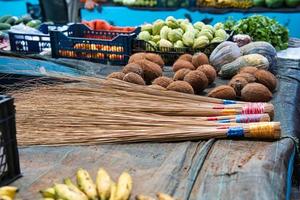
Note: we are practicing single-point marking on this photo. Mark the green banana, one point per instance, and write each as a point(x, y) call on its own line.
point(48, 193)
point(71, 185)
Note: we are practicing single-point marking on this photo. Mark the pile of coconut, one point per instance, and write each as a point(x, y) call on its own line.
point(192, 72)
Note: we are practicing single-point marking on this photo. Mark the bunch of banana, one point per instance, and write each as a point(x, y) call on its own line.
point(8, 192)
point(86, 189)
point(160, 196)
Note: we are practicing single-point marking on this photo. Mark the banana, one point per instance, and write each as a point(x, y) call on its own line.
point(143, 197)
point(103, 183)
point(124, 187)
point(65, 192)
point(48, 198)
point(86, 184)
point(9, 191)
point(4, 197)
point(113, 190)
point(71, 185)
point(162, 196)
point(48, 193)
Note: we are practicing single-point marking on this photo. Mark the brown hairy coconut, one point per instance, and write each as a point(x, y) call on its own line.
point(151, 70)
point(116, 75)
point(186, 57)
point(136, 57)
point(223, 92)
point(199, 59)
point(250, 70)
point(155, 58)
point(179, 64)
point(133, 67)
point(197, 79)
point(256, 92)
point(157, 87)
point(249, 77)
point(181, 86)
point(162, 81)
point(238, 83)
point(266, 78)
point(180, 74)
point(134, 78)
point(209, 71)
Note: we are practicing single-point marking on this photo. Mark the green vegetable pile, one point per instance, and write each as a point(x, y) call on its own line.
point(261, 28)
point(7, 21)
point(180, 33)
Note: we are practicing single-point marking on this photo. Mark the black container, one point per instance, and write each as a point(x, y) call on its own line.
point(80, 42)
point(9, 155)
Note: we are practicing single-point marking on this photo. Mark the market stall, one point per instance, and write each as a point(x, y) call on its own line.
point(172, 107)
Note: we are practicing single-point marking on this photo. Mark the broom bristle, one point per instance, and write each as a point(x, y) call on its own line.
point(100, 111)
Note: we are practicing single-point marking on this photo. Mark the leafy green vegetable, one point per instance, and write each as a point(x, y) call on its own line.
point(261, 28)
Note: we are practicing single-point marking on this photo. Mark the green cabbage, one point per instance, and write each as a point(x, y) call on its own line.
point(201, 42)
point(206, 33)
point(179, 44)
point(164, 32)
point(218, 26)
point(144, 35)
point(156, 38)
point(165, 43)
point(221, 34)
point(172, 22)
point(157, 26)
point(184, 25)
point(174, 35)
point(198, 25)
point(217, 40)
point(188, 38)
point(147, 27)
point(209, 27)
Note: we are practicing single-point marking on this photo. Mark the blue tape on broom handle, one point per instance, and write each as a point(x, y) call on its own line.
point(235, 132)
point(226, 102)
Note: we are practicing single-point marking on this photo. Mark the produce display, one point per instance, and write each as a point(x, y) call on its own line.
point(225, 4)
point(261, 28)
point(171, 33)
point(7, 21)
point(8, 192)
point(101, 25)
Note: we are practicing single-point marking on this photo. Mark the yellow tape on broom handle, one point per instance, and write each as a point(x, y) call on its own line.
point(262, 130)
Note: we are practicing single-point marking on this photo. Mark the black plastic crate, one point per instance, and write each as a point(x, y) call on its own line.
point(9, 156)
point(170, 55)
point(80, 42)
point(31, 43)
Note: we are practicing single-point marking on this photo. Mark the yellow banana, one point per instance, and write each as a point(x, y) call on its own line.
point(48, 193)
point(124, 187)
point(4, 197)
point(48, 198)
point(86, 184)
point(143, 197)
point(9, 191)
point(65, 192)
point(113, 191)
point(103, 183)
point(71, 185)
point(162, 196)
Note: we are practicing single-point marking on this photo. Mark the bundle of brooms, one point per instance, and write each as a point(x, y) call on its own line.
point(94, 110)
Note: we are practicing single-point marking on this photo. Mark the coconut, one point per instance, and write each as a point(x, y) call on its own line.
point(238, 83)
point(197, 79)
point(256, 92)
point(151, 70)
point(180, 64)
point(116, 75)
point(134, 78)
point(162, 81)
point(209, 71)
point(266, 78)
point(133, 67)
point(157, 87)
point(250, 70)
point(136, 57)
point(180, 74)
point(249, 77)
point(199, 59)
point(223, 92)
point(181, 86)
point(186, 57)
point(155, 58)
